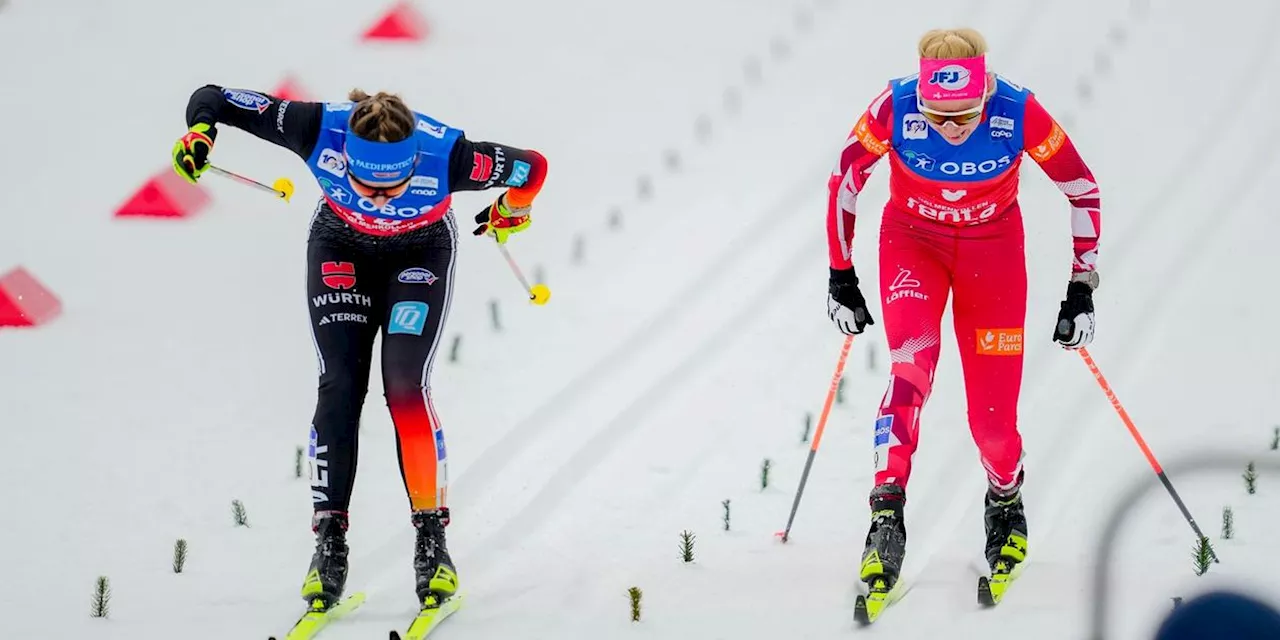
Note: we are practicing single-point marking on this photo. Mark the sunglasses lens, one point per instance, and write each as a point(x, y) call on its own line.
point(960, 119)
point(365, 191)
point(934, 118)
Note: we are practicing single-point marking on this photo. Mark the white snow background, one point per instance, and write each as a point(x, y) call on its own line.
point(680, 351)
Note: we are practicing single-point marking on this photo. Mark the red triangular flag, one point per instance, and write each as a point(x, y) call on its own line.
point(165, 195)
point(24, 302)
point(402, 22)
point(289, 89)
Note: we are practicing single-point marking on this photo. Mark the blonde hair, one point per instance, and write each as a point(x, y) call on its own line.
point(383, 117)
point(941, 44)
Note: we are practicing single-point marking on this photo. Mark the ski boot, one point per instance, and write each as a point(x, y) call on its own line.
point(327, 576)
point(886, 547)
point(1006, 549)
point(436, 580)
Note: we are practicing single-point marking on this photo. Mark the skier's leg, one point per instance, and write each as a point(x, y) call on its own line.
point(914, 282)
point(990, 312)
point(345, 306)
point(420, 288)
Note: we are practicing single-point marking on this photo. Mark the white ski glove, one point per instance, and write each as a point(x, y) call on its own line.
point(1075, 317)
point(845, 305)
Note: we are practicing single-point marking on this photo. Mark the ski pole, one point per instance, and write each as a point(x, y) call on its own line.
point(1142, 444)
point(282, 188)
point(817, 435)
point(539, 294)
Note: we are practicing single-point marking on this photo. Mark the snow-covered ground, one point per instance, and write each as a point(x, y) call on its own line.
point(682, 350)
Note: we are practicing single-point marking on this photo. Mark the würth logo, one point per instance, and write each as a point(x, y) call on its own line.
point(481, 167)
point(338, 275)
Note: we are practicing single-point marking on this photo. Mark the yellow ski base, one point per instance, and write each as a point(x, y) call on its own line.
point(429, 618)
point(313, 622)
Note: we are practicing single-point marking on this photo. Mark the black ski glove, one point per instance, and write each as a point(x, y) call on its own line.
point(845, 305)
point(1075, 317)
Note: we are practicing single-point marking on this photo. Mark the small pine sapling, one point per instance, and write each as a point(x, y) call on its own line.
point(100, 606)
point(238, 514)
point(297, 463)
point(686, 545)
point(1251, 479)
point(808, 425)
point(725, 504)
point(1228, 523)
point(1275, 439)
point(179, 555)
point(1177, 601)
point(840, 392)
point(635, 594)
point(1202, 556)
point(764, 474)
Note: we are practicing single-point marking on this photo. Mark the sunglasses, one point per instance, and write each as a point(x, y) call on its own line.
point(369, 191)
point(959, 117)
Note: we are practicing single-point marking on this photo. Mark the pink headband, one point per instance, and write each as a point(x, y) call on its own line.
point(953, 79)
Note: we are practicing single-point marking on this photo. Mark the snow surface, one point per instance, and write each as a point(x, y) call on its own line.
point(683, 350)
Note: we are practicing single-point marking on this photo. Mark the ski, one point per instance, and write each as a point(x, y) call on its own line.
point(991, 589)
point(430, 617)
point(317, 618)
point(867, 608)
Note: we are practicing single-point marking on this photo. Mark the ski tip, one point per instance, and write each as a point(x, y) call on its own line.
point(985, 597)
point(860, 613)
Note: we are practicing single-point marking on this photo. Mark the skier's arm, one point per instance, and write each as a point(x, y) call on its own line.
point(289, 124)
point(477, 166)
point(868, 141)
point(1052, 149)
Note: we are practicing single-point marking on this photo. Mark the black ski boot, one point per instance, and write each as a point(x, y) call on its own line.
point(1006, 525)
point(886, 545)
point(327, 576)
point(436, 578)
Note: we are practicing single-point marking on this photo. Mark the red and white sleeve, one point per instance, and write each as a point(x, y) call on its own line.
point(1051, 148)
point(869, 140)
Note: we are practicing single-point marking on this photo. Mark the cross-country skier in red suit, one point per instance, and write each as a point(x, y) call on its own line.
point(380, 257)
point(954, 135)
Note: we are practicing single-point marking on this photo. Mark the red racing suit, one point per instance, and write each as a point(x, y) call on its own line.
point(952, 225)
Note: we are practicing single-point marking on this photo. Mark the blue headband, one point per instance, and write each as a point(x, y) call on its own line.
point(370, 161)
